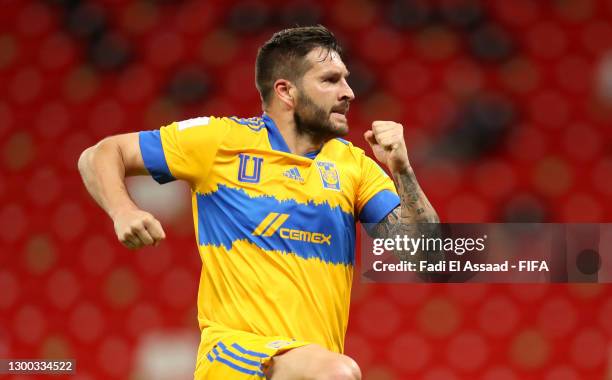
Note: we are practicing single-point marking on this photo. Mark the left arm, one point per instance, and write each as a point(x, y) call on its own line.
point(415, 216)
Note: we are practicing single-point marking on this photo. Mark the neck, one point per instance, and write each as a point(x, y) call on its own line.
point(298, 143)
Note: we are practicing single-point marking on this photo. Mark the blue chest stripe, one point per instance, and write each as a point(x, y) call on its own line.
point(310, 231)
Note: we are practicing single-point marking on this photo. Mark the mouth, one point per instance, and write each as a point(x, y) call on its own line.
point(339, 115)
point(340, 111)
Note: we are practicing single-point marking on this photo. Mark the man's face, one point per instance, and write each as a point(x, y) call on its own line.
point(323, 96)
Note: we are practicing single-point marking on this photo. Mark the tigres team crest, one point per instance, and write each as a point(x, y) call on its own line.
point(329, 175)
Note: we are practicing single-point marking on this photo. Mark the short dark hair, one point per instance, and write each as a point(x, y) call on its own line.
point(282, 56)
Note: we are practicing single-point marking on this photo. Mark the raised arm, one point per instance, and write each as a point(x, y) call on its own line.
point(103, 168)
point(415, 216)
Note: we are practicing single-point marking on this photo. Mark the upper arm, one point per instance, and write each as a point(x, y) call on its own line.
point(182, 150)
point(386, 226)
point(376, 195)
point(129, 150)
point(124, 149)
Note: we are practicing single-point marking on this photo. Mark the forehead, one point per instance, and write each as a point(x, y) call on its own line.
point(321, 59)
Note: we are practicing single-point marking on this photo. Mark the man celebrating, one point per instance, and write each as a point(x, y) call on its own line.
point(275, 202)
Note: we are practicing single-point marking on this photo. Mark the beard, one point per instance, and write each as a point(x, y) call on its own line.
point(313, 120)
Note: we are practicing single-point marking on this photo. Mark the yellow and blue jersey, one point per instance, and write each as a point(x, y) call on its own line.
point(275, 230)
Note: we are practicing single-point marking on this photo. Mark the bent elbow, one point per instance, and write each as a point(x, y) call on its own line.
point(84, 159)
point(434, 218)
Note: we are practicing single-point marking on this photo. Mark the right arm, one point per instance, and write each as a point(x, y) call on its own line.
point(103, 168)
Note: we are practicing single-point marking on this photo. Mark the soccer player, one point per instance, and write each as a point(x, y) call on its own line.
point(275, 201)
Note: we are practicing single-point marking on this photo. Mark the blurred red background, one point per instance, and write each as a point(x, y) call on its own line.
point(507, 107)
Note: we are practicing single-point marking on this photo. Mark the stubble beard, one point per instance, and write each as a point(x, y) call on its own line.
point(311, 119)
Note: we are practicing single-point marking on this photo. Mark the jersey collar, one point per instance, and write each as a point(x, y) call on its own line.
point(277, 142)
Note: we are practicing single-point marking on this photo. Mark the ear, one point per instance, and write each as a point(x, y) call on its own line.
point(286, 92)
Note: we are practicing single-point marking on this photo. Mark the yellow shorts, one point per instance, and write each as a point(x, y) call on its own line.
point(232, 354)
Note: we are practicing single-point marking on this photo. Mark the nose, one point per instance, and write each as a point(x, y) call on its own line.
point(346, 94)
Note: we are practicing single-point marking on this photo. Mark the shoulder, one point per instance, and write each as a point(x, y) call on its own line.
point(200, 121)
point(217, 127)
point(251, 123)
point(354, 156)
point(345, 150)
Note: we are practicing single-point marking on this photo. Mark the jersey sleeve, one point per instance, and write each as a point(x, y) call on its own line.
point(182, 150)
point(376, 195)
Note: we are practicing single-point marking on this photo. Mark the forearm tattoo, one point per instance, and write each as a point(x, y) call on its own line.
point(415, 217)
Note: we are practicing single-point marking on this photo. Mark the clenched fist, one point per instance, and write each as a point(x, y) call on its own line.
point(136, 228)
point(387, 141)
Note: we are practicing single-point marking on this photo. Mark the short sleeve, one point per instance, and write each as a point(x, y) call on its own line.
point(182, 150)
point(376, 195)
